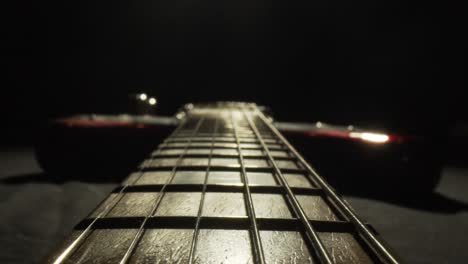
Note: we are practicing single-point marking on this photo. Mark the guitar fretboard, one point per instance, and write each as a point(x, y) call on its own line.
point(225, 187)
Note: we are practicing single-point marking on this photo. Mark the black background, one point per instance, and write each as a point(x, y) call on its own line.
point(387, 64)
point(390, 64)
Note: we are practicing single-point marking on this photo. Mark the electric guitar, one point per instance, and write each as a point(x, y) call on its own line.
point(224, 187)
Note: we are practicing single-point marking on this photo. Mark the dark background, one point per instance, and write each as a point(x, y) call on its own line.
point(386, 64)
point(396, 65)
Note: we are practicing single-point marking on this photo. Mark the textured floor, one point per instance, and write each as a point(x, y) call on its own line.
point(37, 213)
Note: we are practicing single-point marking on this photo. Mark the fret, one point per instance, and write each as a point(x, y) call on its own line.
point(245, 146)
point(225, 186)
point(209, 222)
point(237, 187)
point(223, 162)
point(221, 153)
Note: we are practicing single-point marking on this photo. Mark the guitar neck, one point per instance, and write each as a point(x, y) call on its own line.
point(225, 187)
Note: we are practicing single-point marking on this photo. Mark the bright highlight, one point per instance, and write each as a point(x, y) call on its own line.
point(143, 96)
point(370, 137)
point(152, 101)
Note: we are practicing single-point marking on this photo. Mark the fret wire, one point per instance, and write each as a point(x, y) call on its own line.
point(141, 230)
point(312, 234)
point(226, 222)
point(258, 249)
point(226, 168)
point(165, 156)
point(239, 188)
point(193, 245)
point(164, 146)
point(354, 219)
point(87, 231)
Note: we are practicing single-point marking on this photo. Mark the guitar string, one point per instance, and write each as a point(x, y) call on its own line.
point(269, 126)
point(141, 229)
point(349, 212)
point(255, 234)
point(73, 246)
point(312, 234)
point(193, 245)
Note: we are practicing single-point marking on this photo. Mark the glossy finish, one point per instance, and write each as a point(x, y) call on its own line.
point(179, 204)
point(163, 246)
point(285, 247)
point(224, 204)
point(315, 208)
point(224, 177)
point(297, 180)
point(189, 177)
point(223, 246)
point(270, 206)
point(159, 177)
point(134, 204)
point(344, 249)
point(103, 246)
point(261, 178)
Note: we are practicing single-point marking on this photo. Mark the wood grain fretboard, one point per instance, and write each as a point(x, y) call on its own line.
point(225, 187)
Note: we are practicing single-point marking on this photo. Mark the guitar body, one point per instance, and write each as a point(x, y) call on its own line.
point(404, 162)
